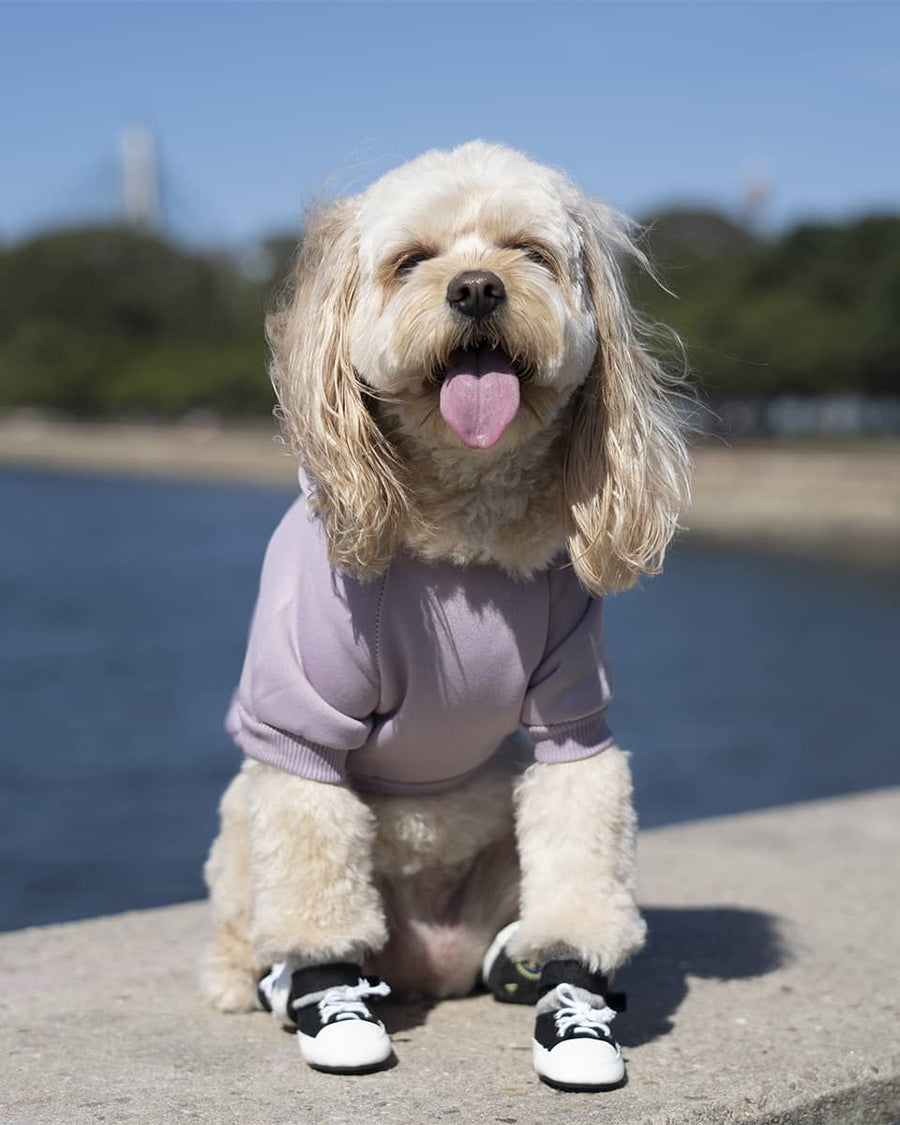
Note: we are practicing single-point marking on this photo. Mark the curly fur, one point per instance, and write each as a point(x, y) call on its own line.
point(596, 455)
point(594, 461)
point(578, 818)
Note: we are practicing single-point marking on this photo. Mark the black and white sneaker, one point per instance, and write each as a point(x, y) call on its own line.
point(512, 982)
point(274, 990)
point(573, 1047)
point(335, 1028)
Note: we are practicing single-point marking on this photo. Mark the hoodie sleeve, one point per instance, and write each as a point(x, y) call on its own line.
point(565, 705)
point(310, 683)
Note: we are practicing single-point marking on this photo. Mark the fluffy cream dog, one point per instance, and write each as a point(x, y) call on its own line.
point(464, 381)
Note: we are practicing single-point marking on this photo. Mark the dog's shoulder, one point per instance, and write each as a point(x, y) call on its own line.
point(299, 580)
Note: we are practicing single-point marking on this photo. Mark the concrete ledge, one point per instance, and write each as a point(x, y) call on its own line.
point(768, 994)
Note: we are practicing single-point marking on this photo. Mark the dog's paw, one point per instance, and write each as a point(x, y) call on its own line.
point(229, 986)
point(622, 933)
point(602, 933)
point(230, 992)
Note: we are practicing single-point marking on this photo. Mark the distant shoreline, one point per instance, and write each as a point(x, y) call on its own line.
point(836, 499)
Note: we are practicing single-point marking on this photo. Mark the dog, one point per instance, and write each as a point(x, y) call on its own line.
point(430, 792)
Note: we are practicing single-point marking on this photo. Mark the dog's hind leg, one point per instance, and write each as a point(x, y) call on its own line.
point(229, 970)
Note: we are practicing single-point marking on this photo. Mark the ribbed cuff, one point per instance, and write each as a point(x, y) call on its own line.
point(568, 742)
point(290, 752)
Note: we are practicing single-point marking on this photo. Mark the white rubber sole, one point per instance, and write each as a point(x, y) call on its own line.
point(579, 1064)
point(346, 1047)
point(276, 987)
point(495, 947)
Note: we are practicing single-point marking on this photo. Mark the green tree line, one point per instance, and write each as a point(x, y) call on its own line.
point(107, 320)
point(814, 311)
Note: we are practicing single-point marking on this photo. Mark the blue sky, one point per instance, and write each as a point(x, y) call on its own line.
point(256, 106)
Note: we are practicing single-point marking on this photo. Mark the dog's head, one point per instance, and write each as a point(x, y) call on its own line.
point(461, 307)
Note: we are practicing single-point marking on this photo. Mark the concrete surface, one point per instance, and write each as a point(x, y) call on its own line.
point(768, 994)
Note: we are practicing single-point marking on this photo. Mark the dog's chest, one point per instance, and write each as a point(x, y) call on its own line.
point(461, 637)
point(457, 648)
point(487, 510)
point(519, 528)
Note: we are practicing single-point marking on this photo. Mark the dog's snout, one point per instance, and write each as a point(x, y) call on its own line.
point(476, 293)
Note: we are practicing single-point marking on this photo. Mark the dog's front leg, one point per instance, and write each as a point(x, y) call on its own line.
point(575, 825)
point(311, 842)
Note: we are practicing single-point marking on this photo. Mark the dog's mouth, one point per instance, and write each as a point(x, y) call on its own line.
point(479, 395)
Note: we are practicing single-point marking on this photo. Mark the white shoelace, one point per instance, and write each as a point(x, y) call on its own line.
point(346, 1001)
point(578, 1014)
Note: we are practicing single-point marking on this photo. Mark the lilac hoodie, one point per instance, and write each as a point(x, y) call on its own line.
point(409, 683)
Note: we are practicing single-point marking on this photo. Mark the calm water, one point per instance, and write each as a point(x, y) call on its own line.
point(742, 682)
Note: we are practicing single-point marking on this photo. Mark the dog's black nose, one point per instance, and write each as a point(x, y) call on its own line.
point(476, 293)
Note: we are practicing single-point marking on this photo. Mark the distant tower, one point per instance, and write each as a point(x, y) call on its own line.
point(140, 178)
point(756, 188)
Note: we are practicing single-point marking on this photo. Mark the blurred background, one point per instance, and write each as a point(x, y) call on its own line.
point(156, 162)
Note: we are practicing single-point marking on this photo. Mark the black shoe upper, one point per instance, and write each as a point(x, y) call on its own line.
point(560, 1021)
point(514, 982)
point(573, 972)
point(319, 978)
point(548, 1033)
point(314, 983)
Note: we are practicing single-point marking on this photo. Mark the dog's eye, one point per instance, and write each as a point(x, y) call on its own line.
point(537, 255)
point(408, 262)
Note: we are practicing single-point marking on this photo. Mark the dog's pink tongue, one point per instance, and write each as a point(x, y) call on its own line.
point(480, 397)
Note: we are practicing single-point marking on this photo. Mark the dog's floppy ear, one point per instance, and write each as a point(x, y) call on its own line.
point(627, 463)
point(356, 478)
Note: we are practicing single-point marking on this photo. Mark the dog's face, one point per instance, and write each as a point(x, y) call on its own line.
point(468, 311)
point(472, 321)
